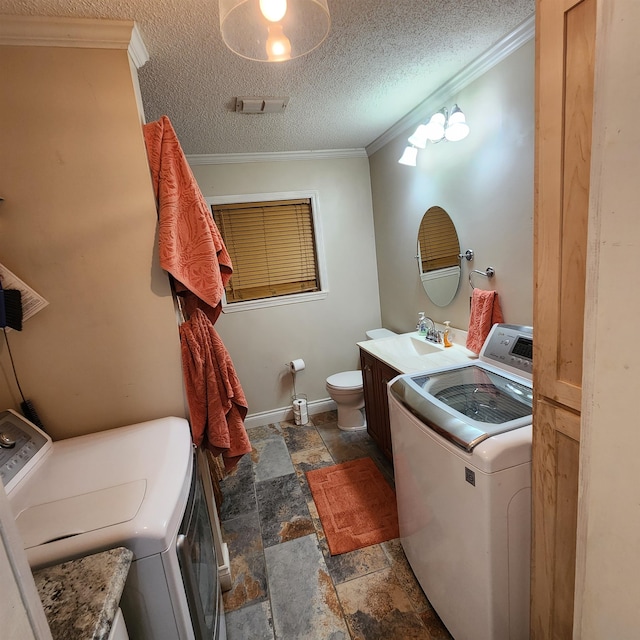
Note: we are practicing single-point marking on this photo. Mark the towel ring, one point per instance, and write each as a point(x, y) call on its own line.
point(489, 272)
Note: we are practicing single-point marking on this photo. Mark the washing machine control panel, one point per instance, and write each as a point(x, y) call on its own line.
point(510, 347)
point(22, 445)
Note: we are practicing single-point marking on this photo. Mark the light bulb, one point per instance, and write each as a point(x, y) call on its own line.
point(278, 45)
point(419, 137)
point(409, 156)
point(457, 127)
point(435, 128)
point(456, 131)
point(273, 10)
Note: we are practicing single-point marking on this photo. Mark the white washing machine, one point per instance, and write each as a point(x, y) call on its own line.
point(137, 486)
point(462, 457)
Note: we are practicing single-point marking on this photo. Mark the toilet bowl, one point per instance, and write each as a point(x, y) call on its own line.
point(346, 390)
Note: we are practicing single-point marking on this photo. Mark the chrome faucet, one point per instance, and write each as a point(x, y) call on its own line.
point(433, 335)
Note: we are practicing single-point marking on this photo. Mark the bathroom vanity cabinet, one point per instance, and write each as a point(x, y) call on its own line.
point(375, 376)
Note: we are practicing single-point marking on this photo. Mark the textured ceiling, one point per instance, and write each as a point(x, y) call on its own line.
point(381, 59)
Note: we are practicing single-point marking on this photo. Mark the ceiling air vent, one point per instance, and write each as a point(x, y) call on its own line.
point(261, 105)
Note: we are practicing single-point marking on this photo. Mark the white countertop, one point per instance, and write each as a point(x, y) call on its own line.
point(411, 353)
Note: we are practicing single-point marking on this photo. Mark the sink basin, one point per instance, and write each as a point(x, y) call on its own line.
point(411, 353)
point(405, 345)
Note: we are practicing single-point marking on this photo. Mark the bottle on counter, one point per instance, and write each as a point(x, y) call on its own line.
point(422, 324)
point(445, 336)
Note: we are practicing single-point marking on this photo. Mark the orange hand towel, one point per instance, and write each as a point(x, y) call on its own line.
point(189, 242)
point(217, 405)
point(485, 312)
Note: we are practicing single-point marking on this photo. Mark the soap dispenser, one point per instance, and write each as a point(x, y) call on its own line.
point(422, 324)
point(445, 336)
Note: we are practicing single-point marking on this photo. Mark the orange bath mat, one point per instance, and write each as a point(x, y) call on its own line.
point(357, 507)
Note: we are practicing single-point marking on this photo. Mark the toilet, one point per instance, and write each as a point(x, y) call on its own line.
point(346, 390)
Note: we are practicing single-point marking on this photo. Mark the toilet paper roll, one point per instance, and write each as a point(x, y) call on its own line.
point(296, 365)
point(300, 411)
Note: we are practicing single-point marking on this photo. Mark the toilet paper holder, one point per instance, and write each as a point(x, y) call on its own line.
point(298, 400)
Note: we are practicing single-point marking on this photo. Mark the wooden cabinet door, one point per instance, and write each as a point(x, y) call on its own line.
point(375, 376)
point(384, 375)
point(371, 400)
point(565, 52)
point(565, 57)
point(555, 512)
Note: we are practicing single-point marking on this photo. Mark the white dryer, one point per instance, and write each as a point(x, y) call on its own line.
point(462, 458)
point(136, 486)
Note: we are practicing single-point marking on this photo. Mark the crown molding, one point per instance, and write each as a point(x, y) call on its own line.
point(38, 31)
point(524, 32)
point(137, 50)
point(278, 156)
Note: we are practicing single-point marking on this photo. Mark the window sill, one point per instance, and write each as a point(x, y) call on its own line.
point(278, 301)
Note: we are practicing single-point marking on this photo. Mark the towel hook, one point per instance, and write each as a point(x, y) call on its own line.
point(489, 272)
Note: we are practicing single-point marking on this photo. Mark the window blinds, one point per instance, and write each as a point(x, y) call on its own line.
point(438, 240)
point(272, 248)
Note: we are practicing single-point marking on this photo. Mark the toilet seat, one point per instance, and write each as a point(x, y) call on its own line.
point(346, 380)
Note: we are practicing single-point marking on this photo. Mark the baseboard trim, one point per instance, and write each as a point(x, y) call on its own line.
point(286, 413)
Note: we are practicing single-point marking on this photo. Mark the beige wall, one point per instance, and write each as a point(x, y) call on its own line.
point(484, 182)
point(608, 553)
point(324, 332)
point(78, 225)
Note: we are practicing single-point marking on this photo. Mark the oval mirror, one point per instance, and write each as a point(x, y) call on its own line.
point(439, 256)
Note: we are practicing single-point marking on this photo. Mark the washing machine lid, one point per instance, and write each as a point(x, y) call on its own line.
point(468, 403)
point(45, 523)
point(346, 380)
point(120, 487)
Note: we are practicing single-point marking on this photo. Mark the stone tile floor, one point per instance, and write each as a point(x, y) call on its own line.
point(286, 585)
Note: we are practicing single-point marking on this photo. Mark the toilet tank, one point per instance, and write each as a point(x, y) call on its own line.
point(375, 334)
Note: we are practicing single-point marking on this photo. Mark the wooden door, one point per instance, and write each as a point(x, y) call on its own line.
point(565, 57)
point(564, 96)
point(555, 512)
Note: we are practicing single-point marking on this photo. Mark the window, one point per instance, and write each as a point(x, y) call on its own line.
point(273, 244)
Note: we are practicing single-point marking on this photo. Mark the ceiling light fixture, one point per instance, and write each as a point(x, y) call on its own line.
point(441, 126)
point(273, 30)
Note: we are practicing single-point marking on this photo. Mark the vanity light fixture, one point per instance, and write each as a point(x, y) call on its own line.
point(273, 30)
point(441, 126)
